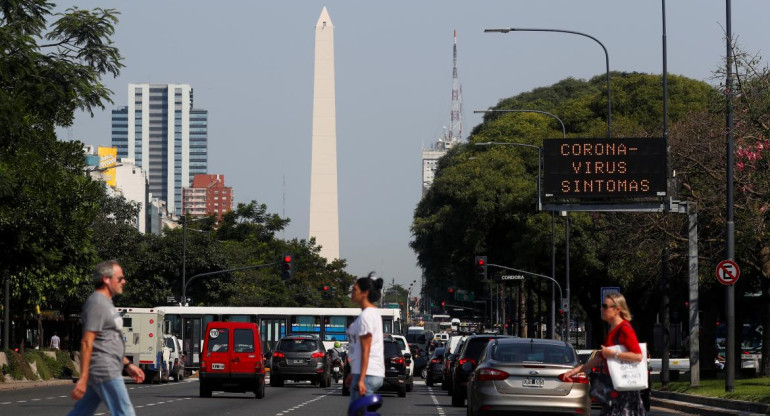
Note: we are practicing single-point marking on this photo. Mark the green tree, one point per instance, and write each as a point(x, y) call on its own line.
point(47, 204)
point(483, 200)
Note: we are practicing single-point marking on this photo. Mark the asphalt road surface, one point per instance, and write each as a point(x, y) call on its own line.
point(181, 398)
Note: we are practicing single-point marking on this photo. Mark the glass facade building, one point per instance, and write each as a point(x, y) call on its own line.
point(165, 136)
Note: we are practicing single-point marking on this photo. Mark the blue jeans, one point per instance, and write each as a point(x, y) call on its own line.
point(372, 383)
point(113, 393)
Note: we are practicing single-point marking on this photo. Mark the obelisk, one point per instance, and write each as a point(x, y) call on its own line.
point(324, 216)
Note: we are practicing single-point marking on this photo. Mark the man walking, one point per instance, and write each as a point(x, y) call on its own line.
point(55, 341)
point(102, 348)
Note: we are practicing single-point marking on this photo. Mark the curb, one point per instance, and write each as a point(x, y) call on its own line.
point(23, 384)
point(707, 405)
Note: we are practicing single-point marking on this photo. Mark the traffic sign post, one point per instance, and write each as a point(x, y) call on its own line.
point(728, 272)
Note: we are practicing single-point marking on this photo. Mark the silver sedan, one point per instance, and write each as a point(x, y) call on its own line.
point(526, 375)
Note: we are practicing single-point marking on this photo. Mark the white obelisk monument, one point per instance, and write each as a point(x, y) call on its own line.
point(324, 216)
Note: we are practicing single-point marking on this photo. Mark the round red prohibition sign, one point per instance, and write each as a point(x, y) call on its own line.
point(728, 272)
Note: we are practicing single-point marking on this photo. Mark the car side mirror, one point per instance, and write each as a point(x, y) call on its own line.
point(268, 355)
point(408, 356)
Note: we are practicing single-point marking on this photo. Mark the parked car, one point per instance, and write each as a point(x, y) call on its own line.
point(435, 367)
point(527, 376)
point(232, 359)
point(176, 358)
point(300, 357)
point(469, 354)
point(396, 377)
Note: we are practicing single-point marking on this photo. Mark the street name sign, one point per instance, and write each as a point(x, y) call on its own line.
point(507, 277)
point(728, 272)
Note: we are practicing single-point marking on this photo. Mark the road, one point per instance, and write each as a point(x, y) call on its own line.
point(295, 399)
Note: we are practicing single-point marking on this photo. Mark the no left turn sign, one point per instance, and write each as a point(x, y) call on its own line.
point(728, 272)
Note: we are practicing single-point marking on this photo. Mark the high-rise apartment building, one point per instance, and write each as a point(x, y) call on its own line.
point(208, 195)
point(165, 136)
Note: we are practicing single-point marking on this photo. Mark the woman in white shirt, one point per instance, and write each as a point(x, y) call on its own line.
point(365, 347)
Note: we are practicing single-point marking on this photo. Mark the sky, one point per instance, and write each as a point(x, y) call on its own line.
point(251, 66)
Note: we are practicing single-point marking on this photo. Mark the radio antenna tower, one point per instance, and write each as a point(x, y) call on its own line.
point(455, 116)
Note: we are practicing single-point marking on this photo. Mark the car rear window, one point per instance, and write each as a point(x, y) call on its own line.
point(400, 343)
point(533, 353)
point(243, 340)
point(475, 347)
point(392, 348)
point(218, 340)
point(297, 345)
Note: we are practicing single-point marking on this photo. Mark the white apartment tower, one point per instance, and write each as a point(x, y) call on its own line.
point(168, 138)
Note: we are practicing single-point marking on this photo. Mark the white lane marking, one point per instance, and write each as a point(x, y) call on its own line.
point(283, 412)
point(435, 401)
point(6, 402)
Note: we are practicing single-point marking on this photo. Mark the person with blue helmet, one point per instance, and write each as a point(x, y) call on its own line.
point(366, 344)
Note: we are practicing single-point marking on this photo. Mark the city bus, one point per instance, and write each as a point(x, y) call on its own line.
point(330, 324)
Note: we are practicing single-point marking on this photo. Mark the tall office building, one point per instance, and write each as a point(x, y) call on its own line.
point(168, 138)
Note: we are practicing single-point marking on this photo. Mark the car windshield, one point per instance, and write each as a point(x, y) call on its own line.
point(533, 352)
point(297, 345)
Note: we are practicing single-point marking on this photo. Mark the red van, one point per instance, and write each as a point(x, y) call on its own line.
point(232, 359)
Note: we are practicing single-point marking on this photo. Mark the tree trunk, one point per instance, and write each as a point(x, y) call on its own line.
point(764, 257)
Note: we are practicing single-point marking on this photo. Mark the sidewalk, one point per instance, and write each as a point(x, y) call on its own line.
point(701, 405)
point(15, 385)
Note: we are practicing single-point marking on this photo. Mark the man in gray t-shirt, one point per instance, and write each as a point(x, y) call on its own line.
point(101, 350)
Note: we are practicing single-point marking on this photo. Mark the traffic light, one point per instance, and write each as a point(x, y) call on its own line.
point(481, 267)
point(443, 303)
point(287, 267)
point(326, 290)
point(451, 291)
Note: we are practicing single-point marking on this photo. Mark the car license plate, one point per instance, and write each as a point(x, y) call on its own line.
point(217, 366)
point(298, 361)
point(533, 382)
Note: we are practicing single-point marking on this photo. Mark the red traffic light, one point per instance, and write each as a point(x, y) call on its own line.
point(481, 262)
point(326, 288)
point(287, 259)
point(443, 303)
point(451, 290)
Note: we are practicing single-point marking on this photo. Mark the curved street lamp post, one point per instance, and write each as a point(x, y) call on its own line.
point(606, 60)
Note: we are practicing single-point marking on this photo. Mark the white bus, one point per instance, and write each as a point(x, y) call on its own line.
point(189, 322)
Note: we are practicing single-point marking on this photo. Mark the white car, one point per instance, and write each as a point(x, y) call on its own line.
point(401, 340)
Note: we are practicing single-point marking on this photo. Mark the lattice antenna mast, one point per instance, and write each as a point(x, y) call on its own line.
point(455, 120)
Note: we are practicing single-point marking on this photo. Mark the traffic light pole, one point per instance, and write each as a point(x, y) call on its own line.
point(531, 274)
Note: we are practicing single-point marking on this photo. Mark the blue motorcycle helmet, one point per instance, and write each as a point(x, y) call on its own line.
point(365, 406)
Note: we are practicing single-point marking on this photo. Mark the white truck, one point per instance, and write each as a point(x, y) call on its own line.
point(143, 330)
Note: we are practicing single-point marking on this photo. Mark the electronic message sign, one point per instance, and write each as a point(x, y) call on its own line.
point(604, 168)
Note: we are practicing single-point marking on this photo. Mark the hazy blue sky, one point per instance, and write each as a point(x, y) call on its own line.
point(251, 65)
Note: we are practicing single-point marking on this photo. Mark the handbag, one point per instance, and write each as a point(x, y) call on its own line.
point(628, 375)
point(601, 387)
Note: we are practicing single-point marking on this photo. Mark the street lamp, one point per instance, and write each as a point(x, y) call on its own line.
point(606, 59)
point(551, 331)
point(183, 301)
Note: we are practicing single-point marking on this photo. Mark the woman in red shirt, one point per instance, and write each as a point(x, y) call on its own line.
point(615, 312)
